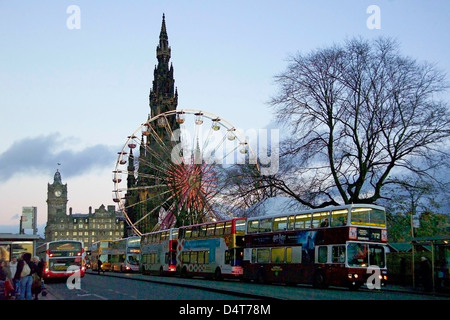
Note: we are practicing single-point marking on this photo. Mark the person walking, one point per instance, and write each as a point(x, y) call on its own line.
point(99, 266)
point(36, 287)
point(24, 272)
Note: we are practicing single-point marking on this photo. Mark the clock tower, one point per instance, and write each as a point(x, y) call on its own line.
point(56, 199)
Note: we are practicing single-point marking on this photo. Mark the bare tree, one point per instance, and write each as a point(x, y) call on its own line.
point(357, 113)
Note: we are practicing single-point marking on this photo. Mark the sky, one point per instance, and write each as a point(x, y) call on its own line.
point(75, 75)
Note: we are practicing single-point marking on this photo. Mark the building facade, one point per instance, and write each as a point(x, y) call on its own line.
point(102, 224)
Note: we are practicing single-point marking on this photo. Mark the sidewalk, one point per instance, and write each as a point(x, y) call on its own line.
point(417, 290)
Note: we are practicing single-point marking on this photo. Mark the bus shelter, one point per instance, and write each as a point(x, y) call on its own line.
point(439, 256)
point(14, 245)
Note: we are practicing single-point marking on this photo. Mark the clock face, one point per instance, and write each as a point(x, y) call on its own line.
point(58, 193)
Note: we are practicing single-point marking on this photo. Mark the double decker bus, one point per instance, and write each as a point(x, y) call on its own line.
point(159, 252)
point(338, 246)
point(211, 249)
point(125, 254)
point(102, 250)
point(62, 258)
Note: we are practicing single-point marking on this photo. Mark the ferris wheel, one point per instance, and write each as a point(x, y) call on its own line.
point(170, 169)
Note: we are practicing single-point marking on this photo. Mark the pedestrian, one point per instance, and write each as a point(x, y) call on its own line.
point(13, 269)
point(13, 266)
point(24, 273)
point(3, 276)
point(99, 266)
point(425, 274)
point(36, 287)
point(8, 282)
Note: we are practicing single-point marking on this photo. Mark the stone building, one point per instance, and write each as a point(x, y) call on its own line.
point(102, 224)
point(163, 97)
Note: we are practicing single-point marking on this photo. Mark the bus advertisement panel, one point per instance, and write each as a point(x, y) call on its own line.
point(61, 257)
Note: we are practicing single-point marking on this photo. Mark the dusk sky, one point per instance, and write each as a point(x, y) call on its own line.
point(75, 75)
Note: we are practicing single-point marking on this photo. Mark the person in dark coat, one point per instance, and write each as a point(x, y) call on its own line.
point(36, 287)
point(425, 274)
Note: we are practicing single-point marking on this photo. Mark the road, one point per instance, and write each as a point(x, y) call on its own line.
point(116, 286)
point(114, 295)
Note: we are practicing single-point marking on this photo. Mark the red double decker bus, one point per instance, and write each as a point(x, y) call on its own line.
point(333, 246)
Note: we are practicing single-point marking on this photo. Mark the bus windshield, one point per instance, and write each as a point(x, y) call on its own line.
point(364, 255)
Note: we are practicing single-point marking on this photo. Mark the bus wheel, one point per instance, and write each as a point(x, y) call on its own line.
point(217, 274)
point(319, 280)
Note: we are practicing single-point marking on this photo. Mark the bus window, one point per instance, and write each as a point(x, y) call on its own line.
point(263, 255)
point(322, 254)
point(227, 257)
point(210, 229)
point(253, 256)
point(291, 223)
point(277, 255)
point(357, 255)
point(378, 218)
point(265, 225)
point(202, 231)
point(201, 257)
point(376, 256)
point(185, 257)
point(220, 229)
point(360, 216)
point(339, 218)
point(240, 227)
point(320, 219)
point(228, 227)
point(194, 232)
point(252, 226)
point(303, 221)
point(338, 254)
point(194, 257)
point(289, 254)
point(280, 224)
point(296, 255)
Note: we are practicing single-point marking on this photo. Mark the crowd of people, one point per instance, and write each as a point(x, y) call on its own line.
point(21, 279)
